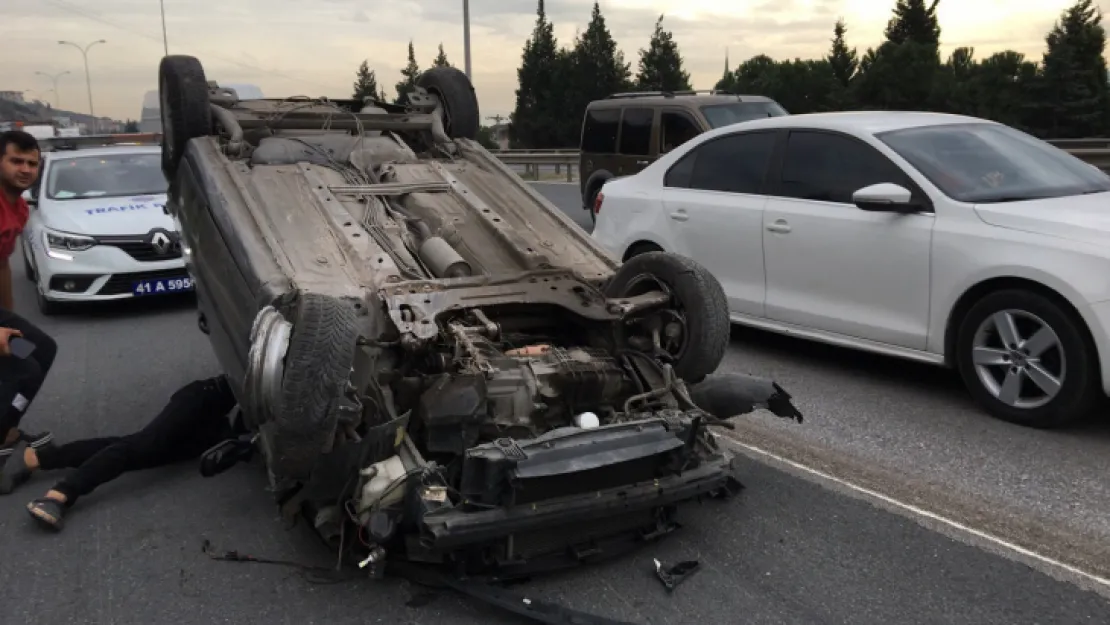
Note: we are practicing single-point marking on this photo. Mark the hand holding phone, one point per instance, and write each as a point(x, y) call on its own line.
point(20, 347)
point(6, 336)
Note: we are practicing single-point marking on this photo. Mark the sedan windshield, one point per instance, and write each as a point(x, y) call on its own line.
point(982, 163)
point(724, 114)
point(114, 175)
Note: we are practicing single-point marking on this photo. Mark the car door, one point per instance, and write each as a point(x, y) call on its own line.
point(833, 267)
point(634, 151)
point(713, 203)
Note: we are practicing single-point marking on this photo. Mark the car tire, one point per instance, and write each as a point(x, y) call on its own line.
point(699, 299)
point(28, 269)
point(317, 369)
point(456, 92)
point(46, 307)
point(985, 365)
point(186, 112)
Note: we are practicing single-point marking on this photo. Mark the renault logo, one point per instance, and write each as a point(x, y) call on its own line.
point(162, 243)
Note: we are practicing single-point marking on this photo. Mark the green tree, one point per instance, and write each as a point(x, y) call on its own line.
point(599, 67)
point(1073, 87)
point(366, 83)
point(408, 77)
point(661, 63)
point(915, 21)
point(131, 126)
point(535, 120)
point(843, 61)
point(441, 58)
point(900, 73)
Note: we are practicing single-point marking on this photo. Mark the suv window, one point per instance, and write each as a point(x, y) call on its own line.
point(830, 168)
point(735, 163)
point(675, 129)
point(636, 131)
point(599, 132)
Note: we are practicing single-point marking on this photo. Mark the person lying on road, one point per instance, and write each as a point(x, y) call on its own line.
point(20, 377)
point(193, 422)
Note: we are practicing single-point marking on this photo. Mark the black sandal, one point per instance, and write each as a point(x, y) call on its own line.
point(49, 512)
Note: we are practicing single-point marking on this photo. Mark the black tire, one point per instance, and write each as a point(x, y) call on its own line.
point(186, 115)
point(1081, 389)
point(456, 92)
point(317, 368)
point(28, 270)
point(46, 307)
point(699, 296)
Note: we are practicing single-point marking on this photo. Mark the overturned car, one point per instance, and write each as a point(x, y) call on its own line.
point(439, 365)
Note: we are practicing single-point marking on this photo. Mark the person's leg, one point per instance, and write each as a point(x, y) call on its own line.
point(20, 381)
point(18, 467)
point(185, 428)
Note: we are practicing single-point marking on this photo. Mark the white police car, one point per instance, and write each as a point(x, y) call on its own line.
point(98, 228)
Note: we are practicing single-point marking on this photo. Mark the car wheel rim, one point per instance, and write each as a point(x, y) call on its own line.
point(1019, 359)
point(668, 326)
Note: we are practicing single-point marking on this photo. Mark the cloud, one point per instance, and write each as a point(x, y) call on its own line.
point(313, 47)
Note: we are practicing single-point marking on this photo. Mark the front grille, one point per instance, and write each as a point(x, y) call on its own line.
point(121, 282)
point(140, 248)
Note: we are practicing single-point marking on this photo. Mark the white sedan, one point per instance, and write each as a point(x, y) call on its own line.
point(98, 229)
point(939, 238)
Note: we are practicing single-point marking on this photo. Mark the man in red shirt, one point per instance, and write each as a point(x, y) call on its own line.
point(20, 377)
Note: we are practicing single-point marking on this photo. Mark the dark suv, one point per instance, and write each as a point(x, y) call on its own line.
point(625, 132)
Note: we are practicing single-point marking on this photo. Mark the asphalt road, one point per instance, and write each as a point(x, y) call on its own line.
point(789, 550)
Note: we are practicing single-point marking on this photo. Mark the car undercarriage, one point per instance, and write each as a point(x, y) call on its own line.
point(438, 365)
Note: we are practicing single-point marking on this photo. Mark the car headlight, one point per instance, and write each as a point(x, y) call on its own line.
point(67, 242)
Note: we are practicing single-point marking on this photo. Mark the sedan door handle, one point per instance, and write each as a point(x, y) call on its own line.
point(680, 215)
point(779, 226)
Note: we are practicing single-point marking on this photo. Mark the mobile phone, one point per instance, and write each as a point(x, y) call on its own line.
point(21, 347)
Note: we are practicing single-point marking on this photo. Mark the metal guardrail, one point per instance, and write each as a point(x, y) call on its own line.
point(1095, 151)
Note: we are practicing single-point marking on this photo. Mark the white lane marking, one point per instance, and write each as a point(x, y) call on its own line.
point(998, 541)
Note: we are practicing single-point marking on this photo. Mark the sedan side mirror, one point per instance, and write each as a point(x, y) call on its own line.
point(31, 200)
point(886, 197)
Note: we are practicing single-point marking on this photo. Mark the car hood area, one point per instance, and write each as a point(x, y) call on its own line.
point(1083, 218)
point(107, 216)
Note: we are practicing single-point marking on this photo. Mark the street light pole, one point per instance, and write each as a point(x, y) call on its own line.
point(466, 35)
point(57, 94)
point(165, 44)
point(88, 81)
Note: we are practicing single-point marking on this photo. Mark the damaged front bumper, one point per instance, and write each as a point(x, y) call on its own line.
point(567, 493)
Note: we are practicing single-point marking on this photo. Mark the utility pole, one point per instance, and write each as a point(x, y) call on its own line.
point(165, 44)
point(54, 78)
point(496, 118)
point(88, 81)
point(466, 36)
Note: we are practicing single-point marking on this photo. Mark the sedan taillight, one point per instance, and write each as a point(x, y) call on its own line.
point(597, 202)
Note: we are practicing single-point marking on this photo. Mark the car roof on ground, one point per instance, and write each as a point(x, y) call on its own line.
point(860, 122)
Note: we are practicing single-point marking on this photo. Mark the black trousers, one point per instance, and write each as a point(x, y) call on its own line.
point(21, 378)
point(195, 419)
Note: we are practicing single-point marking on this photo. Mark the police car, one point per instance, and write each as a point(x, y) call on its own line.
point(98, 228)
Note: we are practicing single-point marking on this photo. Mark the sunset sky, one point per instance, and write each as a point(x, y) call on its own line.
point(312, 47)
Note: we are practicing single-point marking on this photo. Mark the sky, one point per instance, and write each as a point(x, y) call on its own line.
point(313, 47)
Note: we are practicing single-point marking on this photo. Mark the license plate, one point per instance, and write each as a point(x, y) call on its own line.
point(162, 286)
